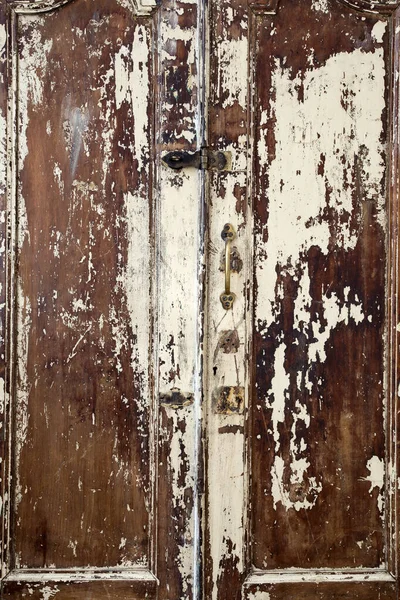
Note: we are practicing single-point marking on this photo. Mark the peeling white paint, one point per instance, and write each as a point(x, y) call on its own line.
point(24, 387)
point(73, 545)
point(293, 575)
point(376, 477)
point(3, 154)
point(259, 595)
point(31, 67)
point(320, 6)
point(178, 256)
point(49, 592)
point(181, 460)
point(226, 483)
point(3, 38)
point(132, 86)
point(277, 396)
point(378, 31)
point(233, 70)
point(136, 280)
point(327, 123)
point(298, 469)
point(333, 129)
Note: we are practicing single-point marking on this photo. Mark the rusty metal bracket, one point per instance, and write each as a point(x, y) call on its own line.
point(229, 400)
point(204, 159)
point(176, 399)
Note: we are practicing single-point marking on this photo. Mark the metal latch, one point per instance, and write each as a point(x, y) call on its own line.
point(204, 159)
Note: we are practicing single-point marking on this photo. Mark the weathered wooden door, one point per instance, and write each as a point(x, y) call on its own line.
point(154, 442)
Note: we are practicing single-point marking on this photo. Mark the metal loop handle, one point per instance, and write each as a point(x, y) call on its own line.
point(227, 298)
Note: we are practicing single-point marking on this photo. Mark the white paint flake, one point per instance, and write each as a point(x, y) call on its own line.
point(277, 398)
point(259, 595)
point(132, 87)
point(32, 65)
point(325, 123)
point(376, 477)
point(232, 68)
point(73, 545)
point(378, 31)
point(3, 37)
point(320, 6)
point(49, 592)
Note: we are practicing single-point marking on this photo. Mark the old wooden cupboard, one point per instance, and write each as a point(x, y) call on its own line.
point(155, 443)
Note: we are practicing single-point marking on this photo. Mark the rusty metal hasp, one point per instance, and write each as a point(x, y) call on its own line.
point(201, 159)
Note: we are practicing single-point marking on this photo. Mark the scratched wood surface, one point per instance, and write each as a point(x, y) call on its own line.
point(120, 590)
point(82, 398)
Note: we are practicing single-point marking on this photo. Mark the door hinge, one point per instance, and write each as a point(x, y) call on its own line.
point(204, 159)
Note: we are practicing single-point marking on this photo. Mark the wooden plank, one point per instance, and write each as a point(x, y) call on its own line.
point(393, 311)
point(179, 256)
point(227, 330)
point(3, 259)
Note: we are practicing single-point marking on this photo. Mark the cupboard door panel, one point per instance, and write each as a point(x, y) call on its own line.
point(310, 455)
point(98, 91)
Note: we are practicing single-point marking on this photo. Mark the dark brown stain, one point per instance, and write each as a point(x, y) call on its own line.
point(263, 6)
point(230, 577)
point(231, 429)
point(177, 81)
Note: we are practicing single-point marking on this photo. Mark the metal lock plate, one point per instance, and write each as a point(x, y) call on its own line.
point(204, 159)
